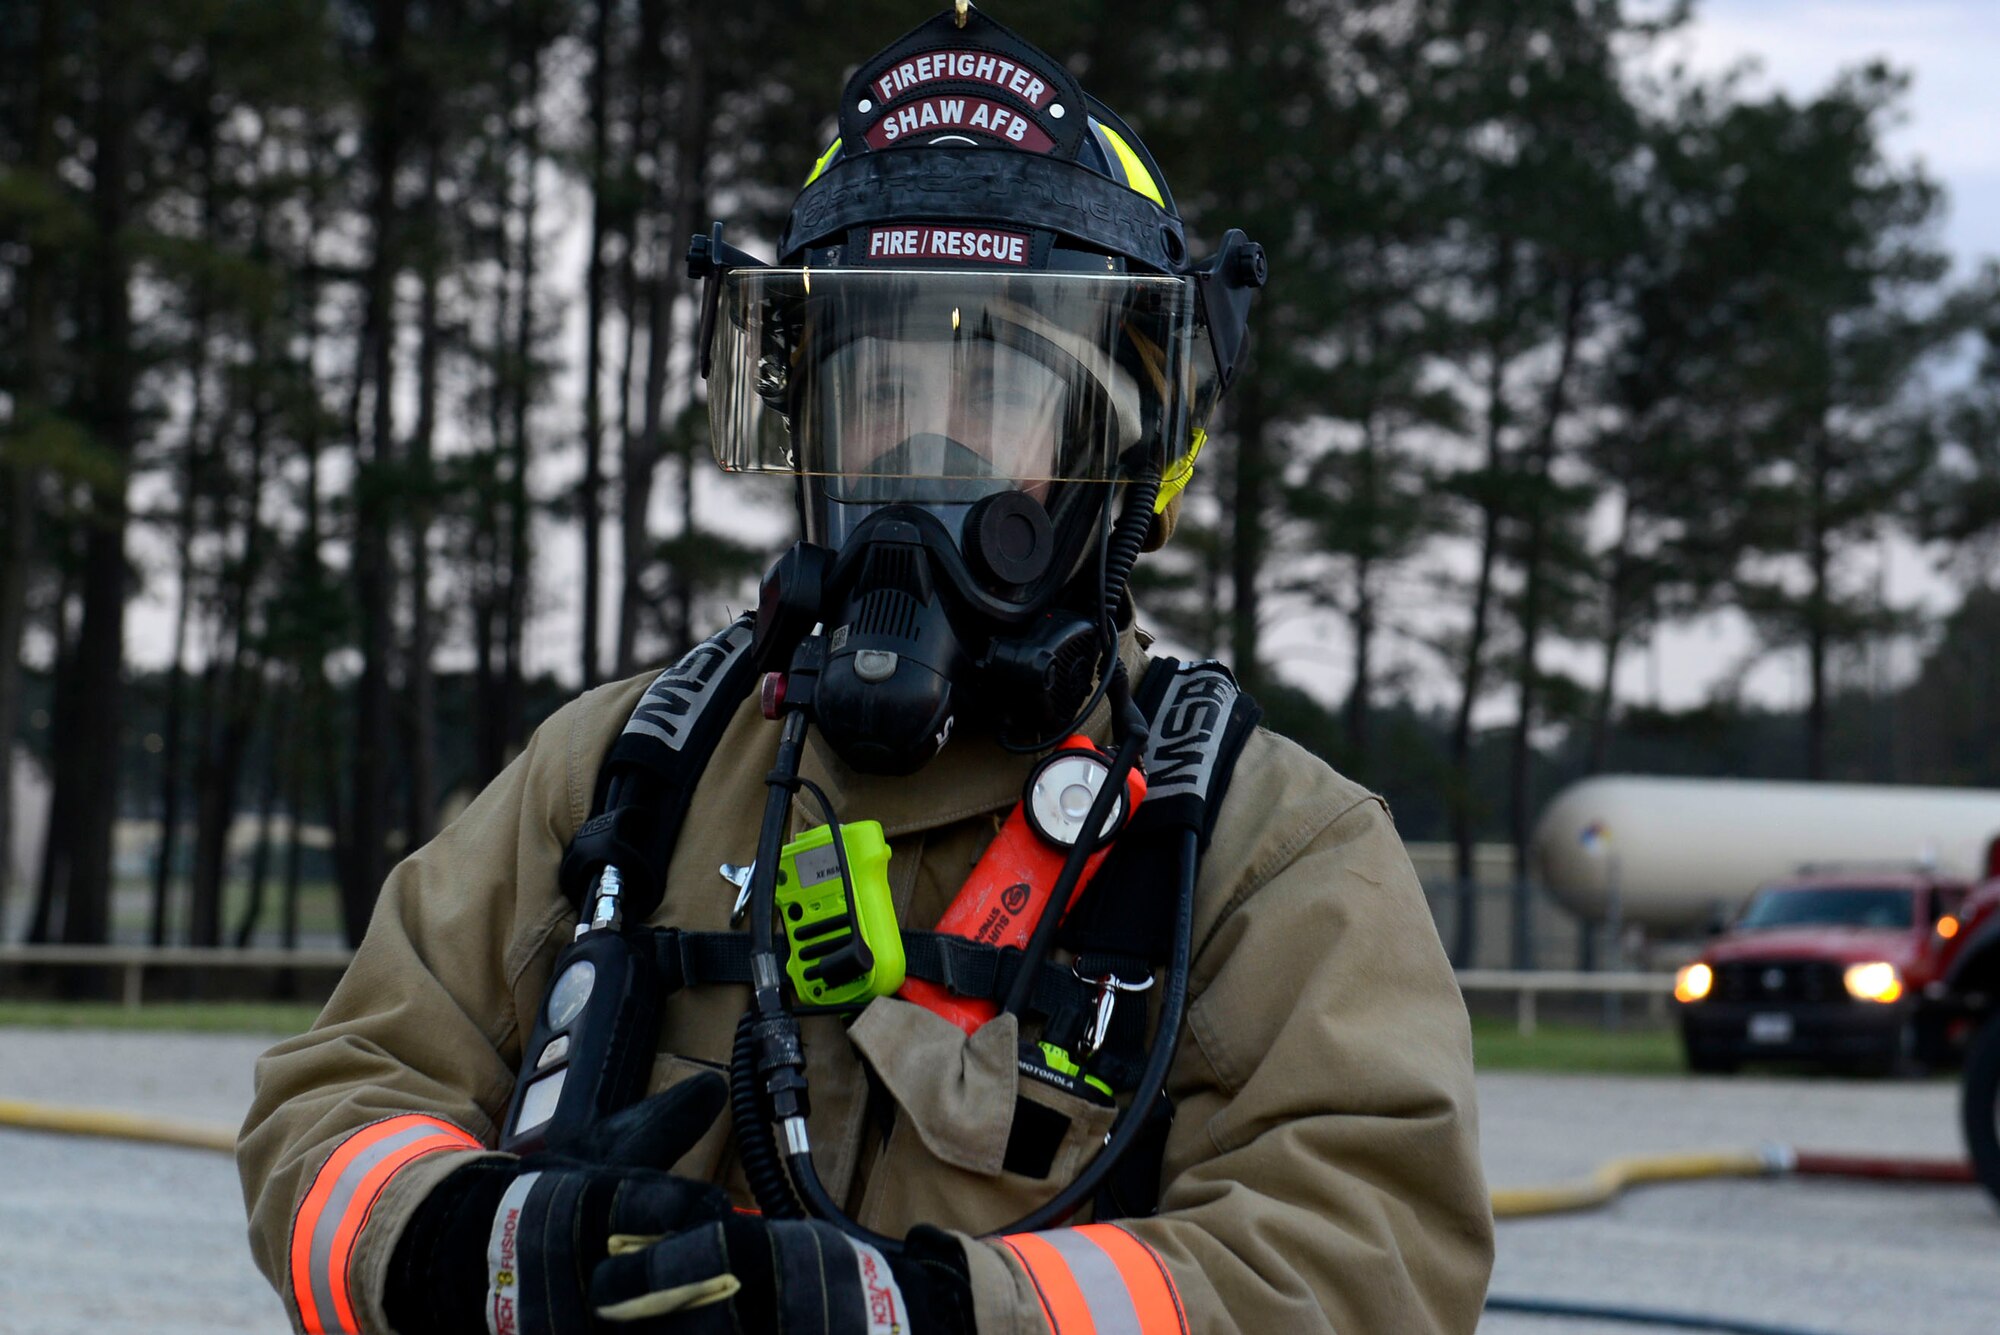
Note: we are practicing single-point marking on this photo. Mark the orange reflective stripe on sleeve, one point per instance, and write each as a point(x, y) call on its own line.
point(1063, 1305)
point(1145, 1275)
point(1099, 1280)
point(337, 1205)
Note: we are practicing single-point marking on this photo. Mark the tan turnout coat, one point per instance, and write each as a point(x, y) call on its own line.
point(1322, 1172)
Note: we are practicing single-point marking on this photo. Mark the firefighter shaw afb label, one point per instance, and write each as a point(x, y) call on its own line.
point(961, 115)
point(927, 243)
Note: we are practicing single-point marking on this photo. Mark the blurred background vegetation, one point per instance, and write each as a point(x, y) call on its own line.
point(355, 333)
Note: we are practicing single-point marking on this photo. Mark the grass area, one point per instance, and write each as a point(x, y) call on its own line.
point(319, 908)
point(1498, 1046)
point(277, 1018)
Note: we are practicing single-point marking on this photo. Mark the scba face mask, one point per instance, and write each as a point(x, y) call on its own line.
point(960, 440)
point(988, 363)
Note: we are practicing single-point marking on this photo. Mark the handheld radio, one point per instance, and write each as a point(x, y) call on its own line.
point(579, 1064)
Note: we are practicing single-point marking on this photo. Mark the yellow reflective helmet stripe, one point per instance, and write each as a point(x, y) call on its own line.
point(825, 161)
point(1136, 175)
point(1180, 472)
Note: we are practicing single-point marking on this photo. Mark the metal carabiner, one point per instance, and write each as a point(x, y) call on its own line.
point(1108, 987)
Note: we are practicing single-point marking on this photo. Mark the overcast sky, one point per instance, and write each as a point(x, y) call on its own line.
point(1951, 47)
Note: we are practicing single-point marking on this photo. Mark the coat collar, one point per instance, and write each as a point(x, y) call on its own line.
point(972, 776)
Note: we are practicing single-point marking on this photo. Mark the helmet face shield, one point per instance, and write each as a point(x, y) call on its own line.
point(939, 388)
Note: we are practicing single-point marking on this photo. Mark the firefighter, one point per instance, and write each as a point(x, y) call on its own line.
point(1225, 1083)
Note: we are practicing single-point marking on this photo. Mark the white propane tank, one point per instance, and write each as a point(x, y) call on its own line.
point(1676, 852)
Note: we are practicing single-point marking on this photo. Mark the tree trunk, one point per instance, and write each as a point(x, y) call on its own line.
point(20, 480)
point(1818, 603)
point(242, 688)
point(1616, 614)
point(52, 877)
point(590, 498)
point(260, 857)
point(89, 734)
point(1248, 539)
point(310, 757)
point(1355, 715)
point(1520, 761)
point(172, 778)
point(519, 506)
point(17, 516)
point(420, 681)
point(693, 150)
point(641, 453)
point(288, 925)
point(374, 576)
point(1465, 945)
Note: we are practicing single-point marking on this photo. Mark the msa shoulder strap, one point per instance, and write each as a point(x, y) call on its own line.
point(649, 777)
point(1200, 720)
point(1123, 924)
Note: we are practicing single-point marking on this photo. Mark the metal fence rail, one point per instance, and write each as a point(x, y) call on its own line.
point(1527, 986)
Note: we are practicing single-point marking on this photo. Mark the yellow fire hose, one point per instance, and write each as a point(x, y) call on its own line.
point(1614, 1175)
point(1603, 1185)
point(26, 1116)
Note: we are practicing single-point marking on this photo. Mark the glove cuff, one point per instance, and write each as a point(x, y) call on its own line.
point(937, 1282)
point(437, 1277)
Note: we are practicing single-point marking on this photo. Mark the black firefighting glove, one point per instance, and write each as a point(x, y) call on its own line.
point(508, 1245)
point(742, 1275)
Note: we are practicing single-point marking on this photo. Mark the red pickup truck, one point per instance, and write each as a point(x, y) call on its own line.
point(1839, 965)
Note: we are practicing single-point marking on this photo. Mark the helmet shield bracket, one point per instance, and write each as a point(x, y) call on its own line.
point(1227, 282)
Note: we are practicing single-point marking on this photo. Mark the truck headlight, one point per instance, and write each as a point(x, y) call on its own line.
point(1876, 980)
point(1693, 982)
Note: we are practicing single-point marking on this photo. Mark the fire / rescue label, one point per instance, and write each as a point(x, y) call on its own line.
point(963, 67)
point(964, 115)
point(984, 245)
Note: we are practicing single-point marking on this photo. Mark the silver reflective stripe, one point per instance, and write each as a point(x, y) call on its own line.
point(1096, 1274)
point(503, 1272)
point(335, 1211)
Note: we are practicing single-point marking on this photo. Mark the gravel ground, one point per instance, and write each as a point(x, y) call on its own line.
point(101, 1238)
point(1819, 1254)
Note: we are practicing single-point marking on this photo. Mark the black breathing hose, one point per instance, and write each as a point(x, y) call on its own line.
point(761, 1167)
point(1134, 522)
point(1641, 1316)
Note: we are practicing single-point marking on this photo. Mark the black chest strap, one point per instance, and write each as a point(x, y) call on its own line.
point(1200, 720)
